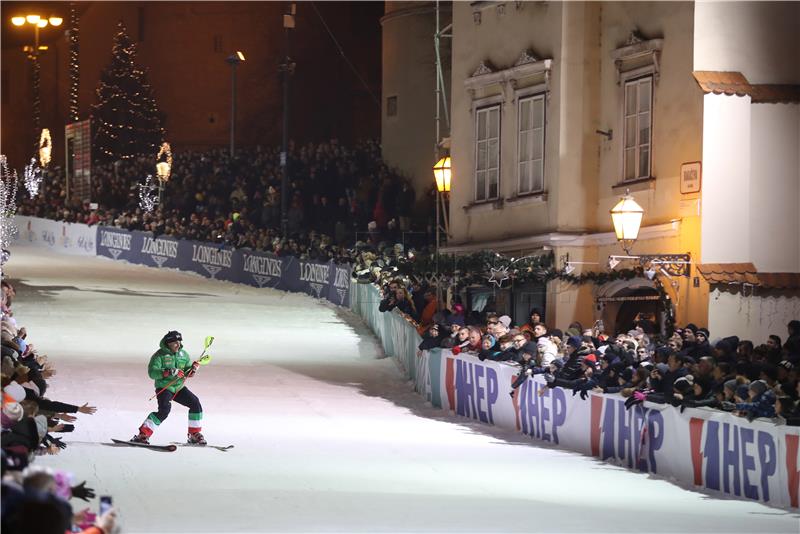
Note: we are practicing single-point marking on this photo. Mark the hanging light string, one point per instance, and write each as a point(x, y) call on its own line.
point(74, 66)
point(8, 206)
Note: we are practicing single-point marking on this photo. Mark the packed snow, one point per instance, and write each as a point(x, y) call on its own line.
point(328, 435)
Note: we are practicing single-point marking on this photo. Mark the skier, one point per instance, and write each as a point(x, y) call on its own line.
point(172, 363)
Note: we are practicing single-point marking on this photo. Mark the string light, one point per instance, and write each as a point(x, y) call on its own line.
point(8, 206)
point(45, 148)
point(74, 65)
point(127, 118)
point(33, 177)
point(164, 167)
point(147, 196)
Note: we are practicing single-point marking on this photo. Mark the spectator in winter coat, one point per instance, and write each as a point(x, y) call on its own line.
point(429, 309)
point(473, 341)
point(760, 402)
point(547, 350)
point(792, 345)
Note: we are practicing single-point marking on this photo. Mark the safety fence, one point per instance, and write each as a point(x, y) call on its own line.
point(322, 280)
point(709, 449)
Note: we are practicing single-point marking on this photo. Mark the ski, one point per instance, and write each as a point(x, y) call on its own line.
point(218, 447)
point(162, 448)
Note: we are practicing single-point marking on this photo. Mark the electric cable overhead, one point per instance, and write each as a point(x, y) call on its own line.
point(341, 52)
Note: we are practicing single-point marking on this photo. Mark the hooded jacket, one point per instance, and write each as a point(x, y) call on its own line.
point(164, 359)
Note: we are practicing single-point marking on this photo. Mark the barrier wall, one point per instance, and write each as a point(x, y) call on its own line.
point(712, 450)
point(709, 449)
point(322, 280)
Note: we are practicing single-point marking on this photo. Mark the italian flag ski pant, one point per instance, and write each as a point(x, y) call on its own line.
point(184, 397)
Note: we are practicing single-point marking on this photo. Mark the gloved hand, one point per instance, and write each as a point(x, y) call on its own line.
point(728, 406)
point(584, 393)
point(179, 373)
point(166, 373)
point(82, 492)
point(640, 396)
point(456, 350)
point(529, 372)
point(58, 443)
point(192, 370)
point(549, 378)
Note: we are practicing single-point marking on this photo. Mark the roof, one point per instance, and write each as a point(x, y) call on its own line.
point(746, 273)
point(735, 83)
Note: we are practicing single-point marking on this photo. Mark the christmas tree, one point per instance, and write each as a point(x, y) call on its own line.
point(125, 119)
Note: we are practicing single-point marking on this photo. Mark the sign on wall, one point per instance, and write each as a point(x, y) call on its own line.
point(691, 177)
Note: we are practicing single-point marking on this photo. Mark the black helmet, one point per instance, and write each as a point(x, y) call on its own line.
point(173, 335)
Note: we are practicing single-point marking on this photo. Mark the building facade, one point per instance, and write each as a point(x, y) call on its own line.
point(559, 109)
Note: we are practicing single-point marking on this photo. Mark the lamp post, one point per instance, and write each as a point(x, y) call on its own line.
point(33, 52)
point(233, 60)
point(627, 218)
point(286, 68)
point(442, 173)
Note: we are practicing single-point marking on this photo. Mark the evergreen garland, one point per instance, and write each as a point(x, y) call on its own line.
point(126, 119)
point(459, 272)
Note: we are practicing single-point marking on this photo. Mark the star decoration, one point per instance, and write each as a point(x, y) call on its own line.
point(498, 276)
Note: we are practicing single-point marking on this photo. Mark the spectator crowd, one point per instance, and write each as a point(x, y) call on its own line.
point(687, 369)
point(337, 195)
point(38, 499)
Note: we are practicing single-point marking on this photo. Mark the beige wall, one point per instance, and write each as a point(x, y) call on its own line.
point(751, 316)
point(759, 39)
point(409, 139)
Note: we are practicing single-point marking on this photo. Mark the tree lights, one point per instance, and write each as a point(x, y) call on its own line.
point(126, 118)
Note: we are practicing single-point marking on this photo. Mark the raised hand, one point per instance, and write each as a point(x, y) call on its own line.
point(87, 409)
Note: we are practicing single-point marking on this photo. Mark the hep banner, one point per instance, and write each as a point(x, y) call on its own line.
point(710, 449)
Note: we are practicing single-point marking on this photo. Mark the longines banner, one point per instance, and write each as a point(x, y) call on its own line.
point(327, 280)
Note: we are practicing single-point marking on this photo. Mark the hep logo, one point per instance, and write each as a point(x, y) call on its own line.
point(540, 416)
point(632, 436)
point(472, 389)
point(737, 459)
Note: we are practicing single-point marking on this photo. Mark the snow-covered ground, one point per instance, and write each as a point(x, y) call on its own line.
point(328, 436)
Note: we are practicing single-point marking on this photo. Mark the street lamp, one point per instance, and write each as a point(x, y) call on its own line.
point(233, 60)
point(627, 218)
point(442, 173)
point(33, 52)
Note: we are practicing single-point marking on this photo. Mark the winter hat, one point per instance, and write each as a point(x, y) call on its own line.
point(558, 362)
point(647, 364)
point(704, 331)
point(457, 319)
point(574, 342)
point(172, 335)
point(626, 374)
point(731, 384)
point(689, 360)
point(506, 320)
point(590, 360)
point(556, 333)
point(15, 391)
point(530, 348)
point(786, 364)
point(41, 426)
point(662, 368)
point(684, 384)
point(691, 326)
point(12, 412)
point(759, 386)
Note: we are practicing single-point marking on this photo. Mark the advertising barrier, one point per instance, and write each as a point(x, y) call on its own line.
point(322, 280)
point(711, 450)
point(62, 237)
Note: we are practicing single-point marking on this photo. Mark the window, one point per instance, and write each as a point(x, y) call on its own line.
point(391, 106)
point(530, 147)
point(638, 120)
point(487, 153)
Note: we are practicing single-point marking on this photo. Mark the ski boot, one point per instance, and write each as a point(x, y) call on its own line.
point(141, 438)
point(195, 438)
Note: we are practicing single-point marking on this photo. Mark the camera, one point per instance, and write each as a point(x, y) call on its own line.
point(105, 504)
